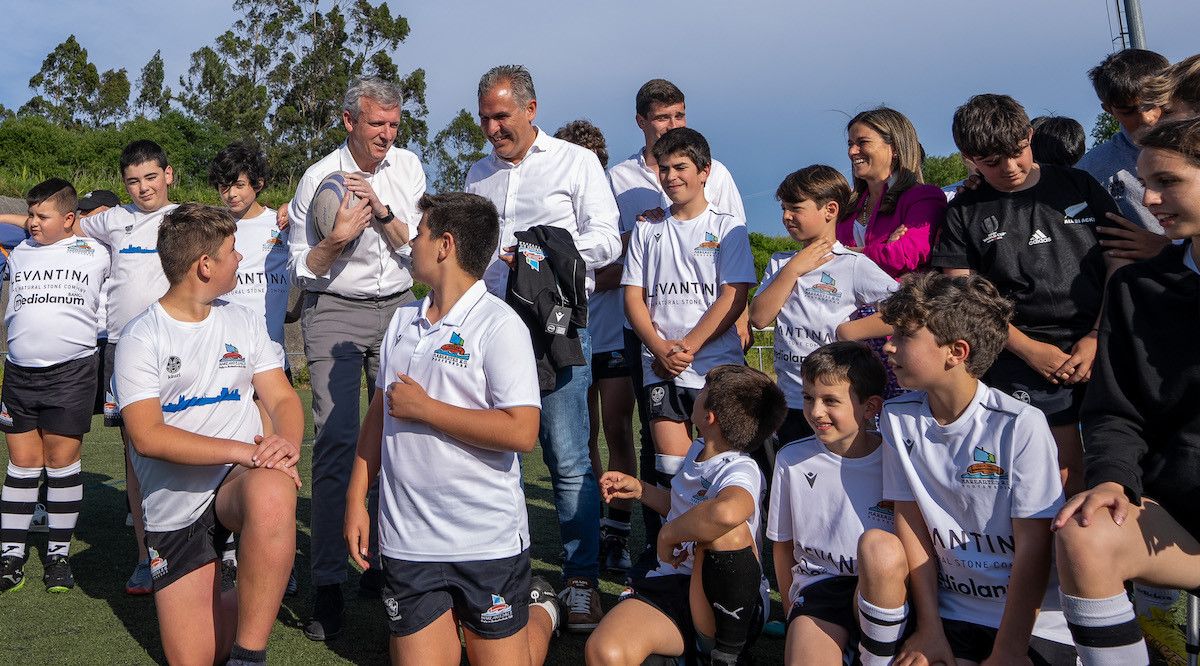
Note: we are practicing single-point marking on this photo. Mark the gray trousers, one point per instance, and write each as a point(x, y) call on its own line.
point(341, 341)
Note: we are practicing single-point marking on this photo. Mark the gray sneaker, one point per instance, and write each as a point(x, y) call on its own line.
point(12, 573)
point(140, 583)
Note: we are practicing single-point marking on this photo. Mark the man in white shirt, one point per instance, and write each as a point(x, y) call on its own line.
point(350, 293)
point(535, 179)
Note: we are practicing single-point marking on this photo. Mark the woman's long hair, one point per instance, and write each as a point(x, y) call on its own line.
point(900, 134)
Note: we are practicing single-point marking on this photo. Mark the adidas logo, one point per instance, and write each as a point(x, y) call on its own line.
point(1039, 237)
point(812, 478)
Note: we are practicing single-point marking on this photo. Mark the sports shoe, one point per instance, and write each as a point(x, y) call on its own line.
point(615, 548)
point(12, 573)
point(41, 519)
point(541, 593)
point(293, 585)
point(582, 602)
point(228, 575)
point(57, 575)
point(139, 582)
point(326, 621)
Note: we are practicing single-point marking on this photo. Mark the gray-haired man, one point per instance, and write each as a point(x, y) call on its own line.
point(350, 294)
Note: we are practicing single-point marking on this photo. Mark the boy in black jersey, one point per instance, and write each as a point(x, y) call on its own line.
point(1031, 230)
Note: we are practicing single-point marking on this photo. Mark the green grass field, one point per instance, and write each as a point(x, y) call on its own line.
point(98, 624)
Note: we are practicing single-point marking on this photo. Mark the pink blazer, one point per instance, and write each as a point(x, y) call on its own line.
point(921, 208)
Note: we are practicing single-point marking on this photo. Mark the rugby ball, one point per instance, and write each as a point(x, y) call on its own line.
point(322, 212)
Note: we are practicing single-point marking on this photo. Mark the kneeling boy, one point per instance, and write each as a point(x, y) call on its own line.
point(457, 400)
point(974, 477)
point(827, 490)
point(184, 372)
point(708, 587)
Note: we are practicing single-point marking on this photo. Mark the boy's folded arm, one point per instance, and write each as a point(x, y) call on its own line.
point(368, 451)
point(783, 554)
point(153, 438)
point(638, 315)
point(506, 429)
point(769, 300)
point(1026, 585)
point(15, 219)
point(282, 404)
point(657, 499)
point(714, 518)
point(922, 562)
point(865, 328)
point(724, 312)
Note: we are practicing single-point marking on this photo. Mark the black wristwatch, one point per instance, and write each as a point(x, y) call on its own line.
point(386, 218)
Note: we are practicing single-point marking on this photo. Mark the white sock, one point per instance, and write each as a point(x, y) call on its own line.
point(882, 629)
point(1105, 631)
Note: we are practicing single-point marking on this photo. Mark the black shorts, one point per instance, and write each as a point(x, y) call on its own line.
point(489, 597)
point(112, 415)
point(795, 427)
point(1059, 402)
point(832, 600)
point(177, 553)
point(609, 365)
point(670, 595)
point(665, 400)
point(101, 372)
point(974, 642)
point(57, 398)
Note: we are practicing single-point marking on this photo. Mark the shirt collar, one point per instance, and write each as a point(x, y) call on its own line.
point(347, 163)
point(542, 143)
point(458, 313)
point(1189, 260)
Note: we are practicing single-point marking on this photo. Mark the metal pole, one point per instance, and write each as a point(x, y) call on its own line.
point(1133, 18)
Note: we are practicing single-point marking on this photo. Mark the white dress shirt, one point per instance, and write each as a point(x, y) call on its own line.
point(558, 184)
point(371, 269)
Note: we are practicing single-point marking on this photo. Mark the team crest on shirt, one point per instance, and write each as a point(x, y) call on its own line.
point(453, 352)
point(274, 241)
point(231, 358)
point(884, 511)
point(172, 366)
point(81, 246)
point(534, 254)
point(825, 289)
point(5, 418)
point(992, 225)
point(498, 612)
point(984, 471)
point(158, 564)
point(1071, 214)
point(702, 494)
point(709, 247)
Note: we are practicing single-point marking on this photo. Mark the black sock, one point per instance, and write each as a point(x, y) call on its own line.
point(240, 653)
point(731, 582)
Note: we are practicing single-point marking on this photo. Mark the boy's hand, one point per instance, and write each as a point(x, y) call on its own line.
point(1129, 241)
point(929, 647)
point(653, 215)
point(897, 234)
point(405, 398)
point(350, 221)
point(275, 451)
point(813, 256)
point(508, 256)
point(281, 216)
point(357, 531)
point(293, 473)
point(1078, 368)
point(619, 486)
point(1048, 360)
point(356, 183)
point(672, 550)
point(671, 357)
point(1083, 506)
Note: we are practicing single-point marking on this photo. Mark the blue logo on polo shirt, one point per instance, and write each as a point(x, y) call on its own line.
point(183, 403)
point(137, 249)
point(453, 352)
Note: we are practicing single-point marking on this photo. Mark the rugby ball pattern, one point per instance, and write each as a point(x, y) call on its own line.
point(322, 212)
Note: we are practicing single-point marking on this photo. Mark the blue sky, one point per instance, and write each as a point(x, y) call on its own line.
point(771, 83)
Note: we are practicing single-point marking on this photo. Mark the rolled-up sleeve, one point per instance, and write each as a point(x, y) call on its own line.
point(298, 243)
point(598, 241)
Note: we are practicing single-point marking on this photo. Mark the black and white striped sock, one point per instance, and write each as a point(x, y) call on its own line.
point(17, 499)
point(64, 497)
point(1105, 631)
point(882, 631)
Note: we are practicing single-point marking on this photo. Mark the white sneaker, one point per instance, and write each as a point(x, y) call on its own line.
point(41, 519)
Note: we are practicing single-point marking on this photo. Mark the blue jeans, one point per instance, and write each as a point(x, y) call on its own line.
point(564, 439)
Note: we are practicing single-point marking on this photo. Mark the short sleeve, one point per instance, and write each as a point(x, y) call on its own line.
point(508, 366)
point(1036, 487)
point(634, 273)
point(779, 509)
point(135, 368)
point(871, 283)
point(96, 226)
point(951, 249)
point(895, 482)
point(741, 472)
point(385, 350)
point(268, 354)
point(774, 265)
point(735, 263)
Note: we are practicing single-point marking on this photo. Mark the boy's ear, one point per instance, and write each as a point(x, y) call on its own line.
point(960, 351)
point(831, 211)
point(202, 268)
point(170, 175)
point(72, 219)
point(872, 406)
point(258, 186)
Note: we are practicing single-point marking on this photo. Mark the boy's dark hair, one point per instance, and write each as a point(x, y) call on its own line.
point(1181, 137)
point(851, 362)
point(473, 222)
point(140, 151)
point(990, 125)
point(1057, 140)
point(57, 191)
point(1119, 78)
point(819, 184)
point(657, 91)
point(189, 232)
point(683, 141)
point(237, 159)
point(583, 133)
point(748, 406)
point(960, 308)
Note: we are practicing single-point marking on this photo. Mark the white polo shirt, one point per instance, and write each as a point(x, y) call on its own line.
point(263, 276)
point(970, 479)
point(372, 269)
point(442, 499)
point(682, 265)
point(54, 300)
point(557, 184)
point(820, 300)
point(822, 503)
point(201, 374)
point(136, 278)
